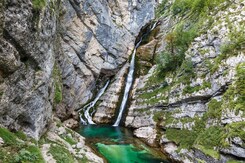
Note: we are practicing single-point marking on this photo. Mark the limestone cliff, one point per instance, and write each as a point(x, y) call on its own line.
point(53, 52)
point(192, 101)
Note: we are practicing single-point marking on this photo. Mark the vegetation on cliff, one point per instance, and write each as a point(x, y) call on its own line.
point(200, 66)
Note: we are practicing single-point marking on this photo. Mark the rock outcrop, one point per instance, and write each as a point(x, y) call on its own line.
point(53, 52)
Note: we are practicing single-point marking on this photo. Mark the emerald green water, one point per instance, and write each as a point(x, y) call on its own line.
point(117, 145)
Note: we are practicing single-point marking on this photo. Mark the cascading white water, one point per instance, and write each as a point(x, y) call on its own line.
point(154, 26)
point(87, 108)
point(130, 79)
point(128, 85)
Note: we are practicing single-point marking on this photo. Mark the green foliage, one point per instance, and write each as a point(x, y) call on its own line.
point(236, 129)
point(187, 66)
point(158, 115)
point(156, 95)
point(8, 137)
point(29, 154)
point(184, 138)
point(237, 42)
point(16, 151)
point(181, 6)
point(21, 135)
point(234, 97)
point(39, 4)
point(210, 137)
point(69, 140)
point(161, 8)
point(189, 89)
point(60, 154)
point(214, 109)
point(166, 62)
point(195, 7)
point(208, 151)
point(58, 84)
point(177, 43)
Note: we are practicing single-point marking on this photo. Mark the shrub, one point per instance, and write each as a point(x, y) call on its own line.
point(60, 154)
point(214, 109)
point(181, 6)
point(166, 62)
point(184, 138)
point(210, 137)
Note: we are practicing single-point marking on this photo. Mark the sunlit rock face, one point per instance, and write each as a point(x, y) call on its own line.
point(53, 53)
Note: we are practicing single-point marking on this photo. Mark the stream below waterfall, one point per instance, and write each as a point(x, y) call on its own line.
point(117, 145)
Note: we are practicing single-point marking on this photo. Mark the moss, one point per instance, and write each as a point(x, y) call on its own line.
point(168, 118)
point(39, 4)
point(58, 84)
point(189, 89)
point(161, 9)
point(60, 154)
point(156, 95)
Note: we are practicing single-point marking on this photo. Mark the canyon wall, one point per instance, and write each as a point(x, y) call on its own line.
point(53, 53)
point(194, 109)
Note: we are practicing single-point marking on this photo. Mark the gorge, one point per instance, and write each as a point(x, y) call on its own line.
point(150, 81)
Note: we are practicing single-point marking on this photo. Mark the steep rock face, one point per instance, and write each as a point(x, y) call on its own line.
point(27, 59)
point(112, 29)
point(97, 38)
point(203, 95)
point(53, 52)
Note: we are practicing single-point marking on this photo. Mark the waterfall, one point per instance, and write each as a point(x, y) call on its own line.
point(87, 107)
point(130, 79)
point(128, 85)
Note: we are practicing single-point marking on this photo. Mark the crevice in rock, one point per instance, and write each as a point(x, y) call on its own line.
point(80, 15)
point(24, 56)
